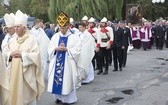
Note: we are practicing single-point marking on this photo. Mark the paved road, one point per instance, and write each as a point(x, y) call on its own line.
point(144, 81)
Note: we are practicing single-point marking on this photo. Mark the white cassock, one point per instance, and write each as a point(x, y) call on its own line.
point(62, 76)
point(85, 66)
point(43, 42)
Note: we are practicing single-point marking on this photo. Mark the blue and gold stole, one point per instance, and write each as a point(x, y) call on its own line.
point(59, 68)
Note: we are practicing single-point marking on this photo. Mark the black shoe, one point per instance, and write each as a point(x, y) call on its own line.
point(65, 104)
point(115, 70)
point(84, 83)
point(58, 101)
point(121, 69)
point(105, 72)
point(99, 72)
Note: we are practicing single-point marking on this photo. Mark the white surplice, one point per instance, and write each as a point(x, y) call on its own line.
point(43, 42)
point(86, 55)
point(147, 35)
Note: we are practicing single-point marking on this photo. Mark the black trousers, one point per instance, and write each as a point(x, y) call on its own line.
point(110, 56)
point(145, 45)
point(104, 56)
point(117, 57)
point(151, 41)
point(96, 61)
point(166, 41)
point(159, 43)
point(136, 44)
point(124, 55)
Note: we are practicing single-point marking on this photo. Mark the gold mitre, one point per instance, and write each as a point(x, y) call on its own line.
point(63, 20)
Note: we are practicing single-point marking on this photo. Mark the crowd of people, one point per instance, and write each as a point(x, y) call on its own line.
point(66, 54)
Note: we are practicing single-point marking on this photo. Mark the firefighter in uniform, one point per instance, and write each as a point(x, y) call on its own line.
point(104, 42)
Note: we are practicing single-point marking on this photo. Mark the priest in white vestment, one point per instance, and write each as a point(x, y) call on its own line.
point(63, 50)
point(87, 53)
point(43, 42)
point(22, 57)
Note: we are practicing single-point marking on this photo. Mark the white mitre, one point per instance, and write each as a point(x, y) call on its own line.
point(91, 20)
point(85, 18)
point(9, 19)
point(104, 20)
point(21, 18)
point(71, 20)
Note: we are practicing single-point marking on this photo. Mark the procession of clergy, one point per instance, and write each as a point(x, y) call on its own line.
point(66, 61)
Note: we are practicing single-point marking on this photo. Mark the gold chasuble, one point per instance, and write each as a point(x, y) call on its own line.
point(26, 81)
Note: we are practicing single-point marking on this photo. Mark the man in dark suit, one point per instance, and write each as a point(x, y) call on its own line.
point(153, 30)
point(160, 35)
point(127, 41)
point(118, 46)
point(166, 33)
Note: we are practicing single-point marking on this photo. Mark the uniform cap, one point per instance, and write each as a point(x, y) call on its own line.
point(91, 20)
point(104, 20)
point(85, 18)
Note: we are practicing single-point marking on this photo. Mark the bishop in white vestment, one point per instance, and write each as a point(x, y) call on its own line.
point(10, 24)
point(22, 59)
point(63, 50)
